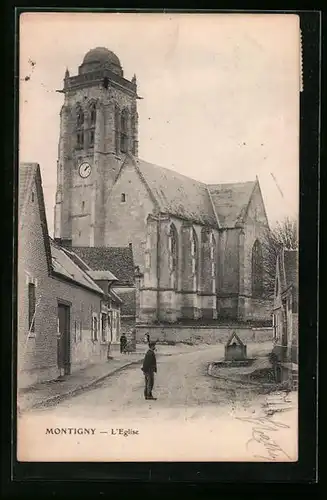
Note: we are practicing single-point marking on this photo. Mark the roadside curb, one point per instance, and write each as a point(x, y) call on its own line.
point(240, 381)
point(80, 388)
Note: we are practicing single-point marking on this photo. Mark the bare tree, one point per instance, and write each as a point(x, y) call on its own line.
point(283, 235)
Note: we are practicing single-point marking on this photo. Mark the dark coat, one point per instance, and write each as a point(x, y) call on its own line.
point(149, 362)
point(123, 340)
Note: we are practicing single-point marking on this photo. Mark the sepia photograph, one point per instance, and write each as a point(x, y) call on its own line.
point(158, 209)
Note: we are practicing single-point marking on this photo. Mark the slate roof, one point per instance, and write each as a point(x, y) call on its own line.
point(177, 194)
point(27, 174)
point(231, 201)
point(66, 267)
point(115, 297)
point(117, 260)
point(128, 307)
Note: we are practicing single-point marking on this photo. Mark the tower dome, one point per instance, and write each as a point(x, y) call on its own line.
point(100, 57)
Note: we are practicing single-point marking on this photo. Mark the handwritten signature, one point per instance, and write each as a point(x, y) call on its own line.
point(262, 426)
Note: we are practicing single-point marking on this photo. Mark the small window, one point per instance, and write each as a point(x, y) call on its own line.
point(94, 327)
point(78, 330)
point(32, 196)
point(105, 82)
point(123, 198)
point(31, 307)
point(79, 234)
point(83, 206)
point(104, 327)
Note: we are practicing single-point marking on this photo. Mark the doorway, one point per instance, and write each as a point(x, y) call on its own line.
point(63, 339)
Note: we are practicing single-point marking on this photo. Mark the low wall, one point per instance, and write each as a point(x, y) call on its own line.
point(202, 334)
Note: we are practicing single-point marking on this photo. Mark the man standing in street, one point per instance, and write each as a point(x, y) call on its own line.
point(123, 343)
point(149, 368)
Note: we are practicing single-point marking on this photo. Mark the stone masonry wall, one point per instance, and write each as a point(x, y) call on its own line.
point(202, 334)
point(126, 220)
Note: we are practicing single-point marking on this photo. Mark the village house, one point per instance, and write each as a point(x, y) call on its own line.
point(285, 313)
point(198, 247)
point(67, 314)
point(121, 262)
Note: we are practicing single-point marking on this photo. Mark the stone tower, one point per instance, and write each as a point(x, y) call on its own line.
point(98, 126)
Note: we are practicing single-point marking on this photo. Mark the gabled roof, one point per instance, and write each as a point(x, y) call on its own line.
point(102, 275)
point(231, 201)
point(114, 296)
point(233, 336)
point(29, 173)
point(26, 177)
point(63, 265)
point(118, 260)
point(177, 194)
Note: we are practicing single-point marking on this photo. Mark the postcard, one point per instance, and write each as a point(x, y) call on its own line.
point(158, 237)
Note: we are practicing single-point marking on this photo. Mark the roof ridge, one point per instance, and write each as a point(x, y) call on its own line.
point(102, 247)
point(141, 175)
point(213, 206)
point(248, 204)
point(67, 250)
point(85, 274)
point(172, 171)
point(33, 167)
point(231, 183)
point(116, 178)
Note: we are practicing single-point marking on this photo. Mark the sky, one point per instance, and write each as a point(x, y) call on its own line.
point(220, 93)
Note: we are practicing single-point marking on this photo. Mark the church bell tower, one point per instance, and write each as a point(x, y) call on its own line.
point(98, 127)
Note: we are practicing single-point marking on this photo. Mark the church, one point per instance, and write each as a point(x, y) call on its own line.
point(198, 248)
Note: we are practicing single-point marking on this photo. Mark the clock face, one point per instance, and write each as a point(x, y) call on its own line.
point(84, 170)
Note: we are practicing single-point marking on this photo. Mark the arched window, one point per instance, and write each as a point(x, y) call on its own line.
point(92, 122)
point(213, 256)
point(80, 139)
point(205, 263)
point(117, 129)
point(173, 256)
point(257, 269)
point(124, 131)
point(79, 127)
point(105, 82)
point(79, 118)
point(208, 261)
point(93, 114)
point(195, 260)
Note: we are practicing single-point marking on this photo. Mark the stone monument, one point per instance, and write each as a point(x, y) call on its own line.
point(235, 350)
